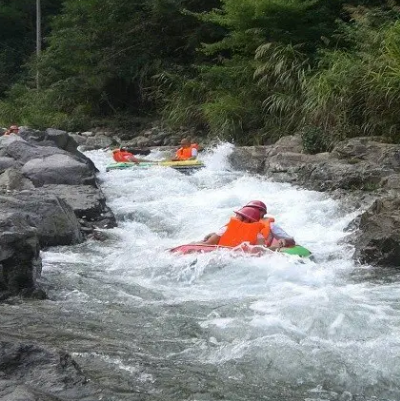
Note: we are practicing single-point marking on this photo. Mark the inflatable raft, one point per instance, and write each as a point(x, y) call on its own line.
point(186, 165)
point(256, 250)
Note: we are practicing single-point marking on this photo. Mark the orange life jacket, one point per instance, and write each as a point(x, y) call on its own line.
point(122, 156)
point(186, 153)
point(237, 232)
point(266, 231)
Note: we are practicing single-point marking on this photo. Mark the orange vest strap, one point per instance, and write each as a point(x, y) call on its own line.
point(237, 232)
point(266, 231)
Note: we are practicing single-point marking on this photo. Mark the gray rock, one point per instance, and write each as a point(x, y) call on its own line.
point(20, 262)
point(34, 373)
point(58, 169)
point(7, 162)
point(292, 143)
point(87, 133)
point(24, 151)
point(378, 239)
point(98, 142)
point(87, 202)
point(80, 140)
point(13, 180)
point(54, 220)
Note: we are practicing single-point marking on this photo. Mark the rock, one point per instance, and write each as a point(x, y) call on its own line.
point(378, 239)
point(333, 174)
point(20, 262)
point(292, 143)
point(7, 162)
point(58, 169)
point(138, 151)
point(87, 134)
point(80, 140)
point(87, 202)
point(142, 141)
point(54, 219)
point(392, 182)
point(249, 158)
point(34, 373)
point(23, 151)
point(99, 235)
point(363, 148)
point(13, 180)
point(98, 142)
point(59, 142)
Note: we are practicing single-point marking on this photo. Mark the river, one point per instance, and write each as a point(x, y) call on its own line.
point(146, 324)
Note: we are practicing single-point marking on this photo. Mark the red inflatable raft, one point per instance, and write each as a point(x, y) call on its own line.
point(255, 250)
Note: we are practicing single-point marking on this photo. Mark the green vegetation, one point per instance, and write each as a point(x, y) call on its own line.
point(249, 71)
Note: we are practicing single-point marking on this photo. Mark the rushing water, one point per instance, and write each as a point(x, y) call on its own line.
point(146, 324)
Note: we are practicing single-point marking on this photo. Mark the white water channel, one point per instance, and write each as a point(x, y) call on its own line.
point(217, 326)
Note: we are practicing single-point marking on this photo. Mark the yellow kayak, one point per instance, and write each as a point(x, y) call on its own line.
point(177, 165)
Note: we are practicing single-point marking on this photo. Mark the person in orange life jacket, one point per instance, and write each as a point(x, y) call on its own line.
point(187, 151)
point(244, 227)
point(121, 155)
point(12, 130)
point(275, 236)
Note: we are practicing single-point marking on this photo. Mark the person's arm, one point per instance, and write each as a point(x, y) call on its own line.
point(133, 159)
point(194, 154)
point(284, 238)
point(212, 240)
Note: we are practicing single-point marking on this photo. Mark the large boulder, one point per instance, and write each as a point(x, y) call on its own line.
point(57, 139)
point(20, 263)
point(378, 239)
point(364, 148)
point(53, 218)
point(33, 373)
point(88, 203)
point(58, 169)
point(334, 174)
point(13, 180)
point(23, 151)
point(7, 162)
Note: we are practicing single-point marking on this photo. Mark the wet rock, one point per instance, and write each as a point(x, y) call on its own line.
point(34, 373)
point(88, 204)
point(53, 218)
point(378, 239)
point(391, 183)
point(99, 235)
point(20, 262)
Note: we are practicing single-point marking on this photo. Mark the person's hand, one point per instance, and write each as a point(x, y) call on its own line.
point(207, 237)
point(281, 243)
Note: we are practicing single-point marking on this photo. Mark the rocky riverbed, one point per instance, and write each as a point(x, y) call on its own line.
point(49, 196)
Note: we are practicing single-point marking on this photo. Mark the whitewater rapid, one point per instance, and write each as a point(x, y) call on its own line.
point(141, 320)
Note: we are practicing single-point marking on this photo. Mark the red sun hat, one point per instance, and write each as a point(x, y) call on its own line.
point(250, 213)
